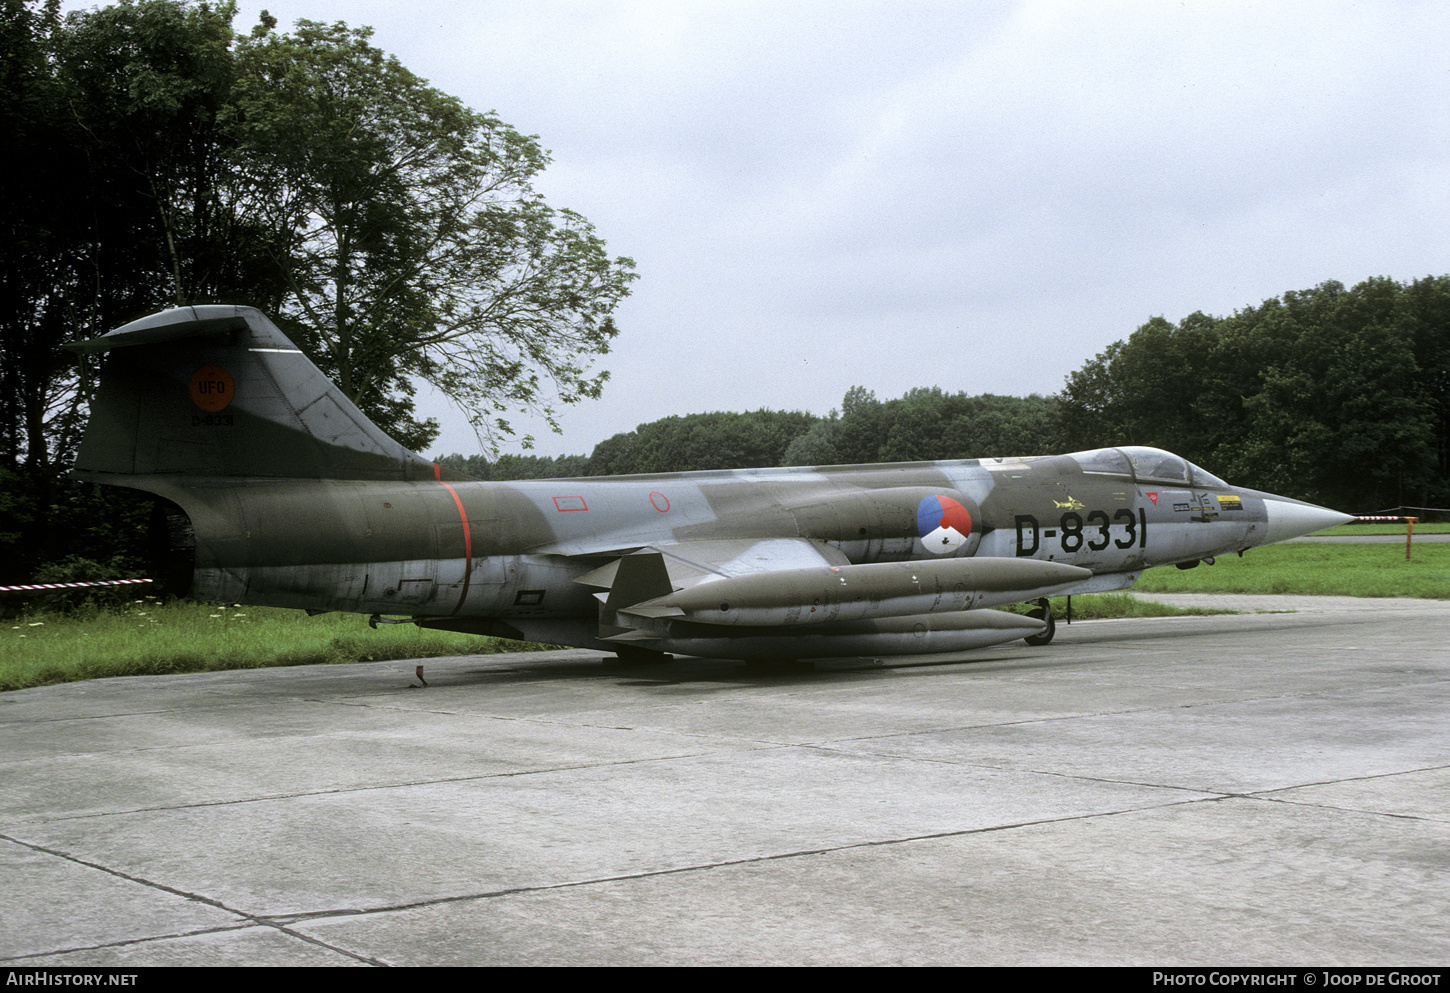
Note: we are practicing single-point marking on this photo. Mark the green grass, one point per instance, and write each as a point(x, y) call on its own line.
point(1315, 569)
point(148, 638)
point(1108, 606)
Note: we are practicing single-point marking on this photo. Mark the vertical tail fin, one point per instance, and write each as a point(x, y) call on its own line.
point(219, 391)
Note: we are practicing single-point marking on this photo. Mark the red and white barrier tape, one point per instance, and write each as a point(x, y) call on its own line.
point(70, 586)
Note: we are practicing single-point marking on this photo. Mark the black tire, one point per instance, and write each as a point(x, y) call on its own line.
point(1043, 612)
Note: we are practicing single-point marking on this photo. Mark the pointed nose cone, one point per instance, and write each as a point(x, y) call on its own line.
point(1292, 518)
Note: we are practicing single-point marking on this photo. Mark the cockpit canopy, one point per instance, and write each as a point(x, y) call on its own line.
point(1146, 465)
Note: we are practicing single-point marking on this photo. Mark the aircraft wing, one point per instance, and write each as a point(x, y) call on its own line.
point(687, 564)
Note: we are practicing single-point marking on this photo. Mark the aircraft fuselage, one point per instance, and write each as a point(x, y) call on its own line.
point(280, 492)
point(512, 550)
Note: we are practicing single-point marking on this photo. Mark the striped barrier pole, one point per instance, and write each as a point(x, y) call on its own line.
point(1409, 529)
point(45, 587)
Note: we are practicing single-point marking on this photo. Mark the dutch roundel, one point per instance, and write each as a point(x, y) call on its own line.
point(943, 524)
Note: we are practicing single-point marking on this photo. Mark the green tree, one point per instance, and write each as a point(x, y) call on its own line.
point(858, 437)
point(152, 160)
point(718, 440)
point(815, 446)
point(614, 455)
point(1425, 306)
point(1338, 412)
point(508, 467)
point(115, 194)
point(410, 240)
point(991, 426)
point(148, 84)
point(928, 423)
point(83, 105)
point(36, 274)
point(1331, 394)
point(1148, 390)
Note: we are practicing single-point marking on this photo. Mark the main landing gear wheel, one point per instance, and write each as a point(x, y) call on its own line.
point(1043, 612)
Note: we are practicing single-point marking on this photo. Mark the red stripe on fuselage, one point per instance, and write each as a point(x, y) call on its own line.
point(467, 539)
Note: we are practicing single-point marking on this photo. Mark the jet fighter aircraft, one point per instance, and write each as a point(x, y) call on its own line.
point(273, 489)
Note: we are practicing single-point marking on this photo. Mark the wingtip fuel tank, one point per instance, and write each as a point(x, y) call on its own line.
point(276, 490)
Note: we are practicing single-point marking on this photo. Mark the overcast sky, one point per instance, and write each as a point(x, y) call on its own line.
point(976, 196)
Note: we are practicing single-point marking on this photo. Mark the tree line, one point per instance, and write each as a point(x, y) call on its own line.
point(926, 423)
point(1338, 396)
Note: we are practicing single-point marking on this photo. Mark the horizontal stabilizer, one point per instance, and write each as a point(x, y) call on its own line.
point(160, 328)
